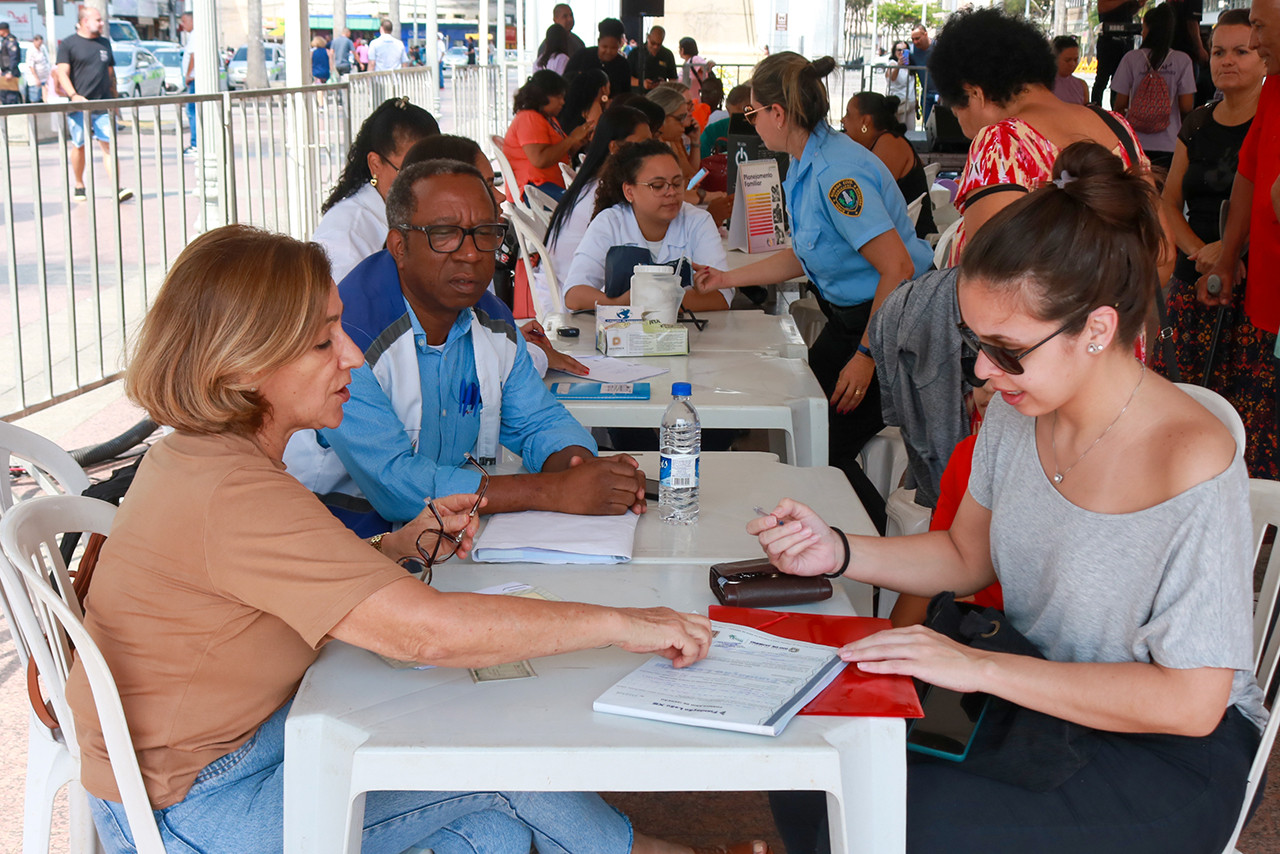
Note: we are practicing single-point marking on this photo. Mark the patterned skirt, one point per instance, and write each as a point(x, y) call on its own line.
point(1244, 369)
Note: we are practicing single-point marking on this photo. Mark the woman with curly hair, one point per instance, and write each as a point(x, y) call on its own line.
point(535, 144)
point(354, 221)
point(996, 73)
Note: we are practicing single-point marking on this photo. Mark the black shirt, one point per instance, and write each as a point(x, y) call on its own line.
point(575, 44)
point(1212, 154)
point(647, 66)
point(91, 61)
point(617, 69)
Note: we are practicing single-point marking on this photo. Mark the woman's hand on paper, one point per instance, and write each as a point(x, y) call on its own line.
point(920, 652)
point(797, 541)
point(681, 638)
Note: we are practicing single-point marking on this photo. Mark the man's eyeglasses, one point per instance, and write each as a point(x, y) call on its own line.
point(448, 238)
point(1008, 361)
point(661, 185)
point(446, 545)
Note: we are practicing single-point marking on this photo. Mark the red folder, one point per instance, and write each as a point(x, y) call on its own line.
point(854, 693)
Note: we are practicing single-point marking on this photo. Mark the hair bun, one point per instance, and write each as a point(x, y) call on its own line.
point(823, 67)
point(892, 103)
point(1096, 178)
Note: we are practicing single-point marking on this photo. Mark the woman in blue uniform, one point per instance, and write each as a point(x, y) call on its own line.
point(851, 237)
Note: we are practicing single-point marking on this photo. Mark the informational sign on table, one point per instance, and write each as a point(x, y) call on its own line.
point(759, 221)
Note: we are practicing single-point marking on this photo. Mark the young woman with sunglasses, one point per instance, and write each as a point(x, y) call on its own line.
point(850, 235)
point(224, 575)
point(642, 218)
point(1113, 509)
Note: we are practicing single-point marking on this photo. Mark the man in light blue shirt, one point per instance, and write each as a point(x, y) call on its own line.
point(386, 51)
point(443, 377)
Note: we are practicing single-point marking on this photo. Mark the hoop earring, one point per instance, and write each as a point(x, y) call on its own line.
point(864, 127)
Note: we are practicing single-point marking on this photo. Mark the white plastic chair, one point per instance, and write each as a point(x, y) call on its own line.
point(48, 616)
point(1264, 502)
point(1221, 407)
point(884, 460)
point(943, 249)
point(49, 763)
point(508, 174)
point(568, 173)
point(540, 204)
point(544, 286)
point(914, 209)
point(931, 172)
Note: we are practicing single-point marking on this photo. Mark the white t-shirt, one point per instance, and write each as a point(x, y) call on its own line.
point(353, 229)
point(572, 229)
point(692, 235)
point(387, 52)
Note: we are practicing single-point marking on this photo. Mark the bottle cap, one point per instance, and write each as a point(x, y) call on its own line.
point(681, 389)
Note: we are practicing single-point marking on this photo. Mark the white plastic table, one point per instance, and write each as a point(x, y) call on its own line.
point(735, 389)
point(358, 726)
point(748, 330)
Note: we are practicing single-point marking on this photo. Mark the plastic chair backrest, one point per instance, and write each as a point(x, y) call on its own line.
point(1264, 505)
point(541, 204)
point(508, 174)
point(529, 236)
point(913, 209)
point(53, 470)
point(931, 173)
point(50, 618)
point(943, 249)
point(1221, 407)
point(568, 173)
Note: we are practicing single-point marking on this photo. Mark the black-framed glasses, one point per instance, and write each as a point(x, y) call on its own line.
point(661, 185)
point(446, 545)
point(1008, 361)
point(487, 237)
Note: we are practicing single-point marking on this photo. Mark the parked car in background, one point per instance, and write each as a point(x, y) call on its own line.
point(122, 31)
point(456, 55)
point(138, 73)
point(238, 67)
point(171, 56)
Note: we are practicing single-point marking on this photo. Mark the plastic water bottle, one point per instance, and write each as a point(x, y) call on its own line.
point(680, 445)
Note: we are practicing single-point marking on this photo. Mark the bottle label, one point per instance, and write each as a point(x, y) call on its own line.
point(678, 471)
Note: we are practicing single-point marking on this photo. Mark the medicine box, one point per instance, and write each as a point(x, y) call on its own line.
point(619, 334)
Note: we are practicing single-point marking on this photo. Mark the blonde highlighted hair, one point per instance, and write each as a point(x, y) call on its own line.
point(795, 84)
point(238, 304)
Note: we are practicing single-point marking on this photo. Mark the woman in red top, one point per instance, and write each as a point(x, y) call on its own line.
point(535, 146)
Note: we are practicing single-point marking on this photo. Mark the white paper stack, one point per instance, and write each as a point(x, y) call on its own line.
point(540, 536)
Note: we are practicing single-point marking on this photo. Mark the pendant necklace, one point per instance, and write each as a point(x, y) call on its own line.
point(1059, 474)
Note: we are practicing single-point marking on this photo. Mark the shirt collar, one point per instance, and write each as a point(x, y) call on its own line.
point(817, 138)
point(460, 327)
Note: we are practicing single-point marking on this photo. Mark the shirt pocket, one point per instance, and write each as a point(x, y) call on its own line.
point(818, 253)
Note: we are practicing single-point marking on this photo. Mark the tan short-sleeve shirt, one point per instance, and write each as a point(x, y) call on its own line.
point(220, 580)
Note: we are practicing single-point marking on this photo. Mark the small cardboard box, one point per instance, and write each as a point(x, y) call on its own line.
point(618, 333)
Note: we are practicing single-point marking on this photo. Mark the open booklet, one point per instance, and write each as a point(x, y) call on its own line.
point(750, 681)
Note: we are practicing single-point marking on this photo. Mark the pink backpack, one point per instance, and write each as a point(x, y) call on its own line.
point(1151, 104)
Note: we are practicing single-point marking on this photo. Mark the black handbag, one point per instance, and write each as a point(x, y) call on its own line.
point(1014, 744)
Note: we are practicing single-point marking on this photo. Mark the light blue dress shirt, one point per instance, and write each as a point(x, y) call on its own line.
point(839, 197)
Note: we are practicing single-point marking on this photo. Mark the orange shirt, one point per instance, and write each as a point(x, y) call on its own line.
point(221, 579)
point(1260, 163)
point(529, 127)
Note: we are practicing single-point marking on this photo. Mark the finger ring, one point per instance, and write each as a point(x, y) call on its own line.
point(857, 391)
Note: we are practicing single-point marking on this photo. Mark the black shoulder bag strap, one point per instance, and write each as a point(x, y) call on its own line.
point(1165, 335)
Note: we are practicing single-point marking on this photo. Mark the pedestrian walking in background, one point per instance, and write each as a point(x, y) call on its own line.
point(86, 72)
point(38, 70)
point(343, 52)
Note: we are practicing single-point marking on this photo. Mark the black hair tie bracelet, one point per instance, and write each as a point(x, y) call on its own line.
point(844, 567)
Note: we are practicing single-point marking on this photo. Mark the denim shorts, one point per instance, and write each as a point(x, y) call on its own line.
point(236, 805)
point(101, 127)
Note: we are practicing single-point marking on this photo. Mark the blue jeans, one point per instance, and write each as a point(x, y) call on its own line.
point(191, 114)
point(100, 123)
point(236, 805)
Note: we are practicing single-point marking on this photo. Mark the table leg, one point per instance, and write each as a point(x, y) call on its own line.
point(869, 813)
point(320, 817)
point(809, 422)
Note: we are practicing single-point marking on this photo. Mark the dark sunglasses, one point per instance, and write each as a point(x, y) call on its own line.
point(750, 113)
point(1008, 361)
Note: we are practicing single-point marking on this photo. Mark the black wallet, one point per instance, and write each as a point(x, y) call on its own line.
point(757, 583)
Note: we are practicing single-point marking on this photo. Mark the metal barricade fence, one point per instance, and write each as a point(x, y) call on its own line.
point(481, 103)
point(78, 275)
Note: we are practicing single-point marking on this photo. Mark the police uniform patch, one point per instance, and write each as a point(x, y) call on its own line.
point(846, 195)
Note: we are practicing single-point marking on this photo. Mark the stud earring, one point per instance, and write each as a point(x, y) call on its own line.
point(864, 127)
point(1094, 347)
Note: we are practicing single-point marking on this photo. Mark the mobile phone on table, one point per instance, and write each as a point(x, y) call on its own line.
point(651, 489)
point(950, 721)
point(697, 178)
